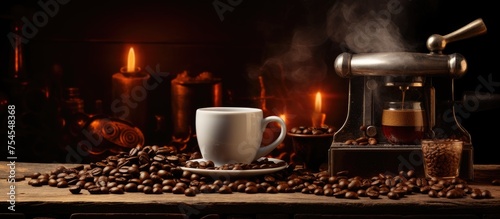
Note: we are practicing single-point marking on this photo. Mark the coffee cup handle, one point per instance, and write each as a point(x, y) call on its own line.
point(267, 149)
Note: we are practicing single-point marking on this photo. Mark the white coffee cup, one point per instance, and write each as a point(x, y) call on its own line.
point(234, 134)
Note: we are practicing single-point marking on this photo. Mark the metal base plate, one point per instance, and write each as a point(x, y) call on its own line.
point(368, 161)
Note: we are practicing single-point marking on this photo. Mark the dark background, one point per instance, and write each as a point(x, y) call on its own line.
point(292, 44)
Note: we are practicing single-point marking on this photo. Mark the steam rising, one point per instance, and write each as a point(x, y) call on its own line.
point(299, 65)
point(367, 27)
point(353, 26)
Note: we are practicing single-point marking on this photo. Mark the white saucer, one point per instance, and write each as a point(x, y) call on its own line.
point(236, 173)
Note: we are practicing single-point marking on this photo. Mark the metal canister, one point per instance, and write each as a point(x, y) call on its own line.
point(188, 94)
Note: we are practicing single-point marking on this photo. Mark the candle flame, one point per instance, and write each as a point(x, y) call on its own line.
point(283, 116)
point(317, 103)
point(16, 59)
point(318, 118)
point(131, 60)
point(17, 54)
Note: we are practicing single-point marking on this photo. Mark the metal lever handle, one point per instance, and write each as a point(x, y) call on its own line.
point(436, 43)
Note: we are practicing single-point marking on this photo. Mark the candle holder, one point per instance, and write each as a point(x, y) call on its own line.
point(310, 145)
point(129, 96)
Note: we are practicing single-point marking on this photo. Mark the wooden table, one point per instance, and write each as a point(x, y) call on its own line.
point(52, 202)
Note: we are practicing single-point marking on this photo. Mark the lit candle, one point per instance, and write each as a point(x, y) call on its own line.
point(318, 118)
point(129, 101)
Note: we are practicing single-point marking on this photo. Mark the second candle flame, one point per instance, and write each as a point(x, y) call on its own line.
point(317, 103)
point(131, 60)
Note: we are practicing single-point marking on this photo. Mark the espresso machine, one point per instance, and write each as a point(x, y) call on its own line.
point(372, 141)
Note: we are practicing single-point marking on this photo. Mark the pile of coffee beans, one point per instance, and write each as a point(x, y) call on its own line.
point(361, 141)
point(157, 170)
point(263, 163)
point(325, 129)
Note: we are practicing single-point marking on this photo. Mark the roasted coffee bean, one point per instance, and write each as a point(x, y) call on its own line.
point(328, 192)
point(75, 189)
point(205, 189)
point(384, 190)
point(225, 190)
point(393, 195)
point(362, 193)
point(97, 171)
point(111, 184)
point(154, 190)
point(496, 182)
point(307, 190)
point(130, 187)
point(282, 187)
point(454, 193)
point(271, 189)
point(190, 192)
point(354, 185)
point(140, 188)
point(372, 194)
point(147, 190)
point(178, 190)
point(486, 194)
point(94, 190)
point(433, 193)
point(343, 183)
point(362, 139)
point(399, 191)
point(437, 187)
point(34, 175)
point(143, 175)
point(251, 190)
point(351, 195)
point(317, 132)
point(318, 191)
point(241, 188)
point(45, 181)
point(62, 184)
point(104, 190)
point(116, 190)
point(80, 183)
point(349, 142)
point(442, 193)
point(52, 182)
point(147, 182)
point(340, 194)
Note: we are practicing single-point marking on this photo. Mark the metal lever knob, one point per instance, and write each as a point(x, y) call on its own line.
point(436, 43)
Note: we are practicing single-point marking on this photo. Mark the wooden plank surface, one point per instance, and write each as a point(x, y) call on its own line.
point(48, 199)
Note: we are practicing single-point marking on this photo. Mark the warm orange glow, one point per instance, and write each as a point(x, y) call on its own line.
point(283, 116)
point(131, 60)
point(317, 103)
